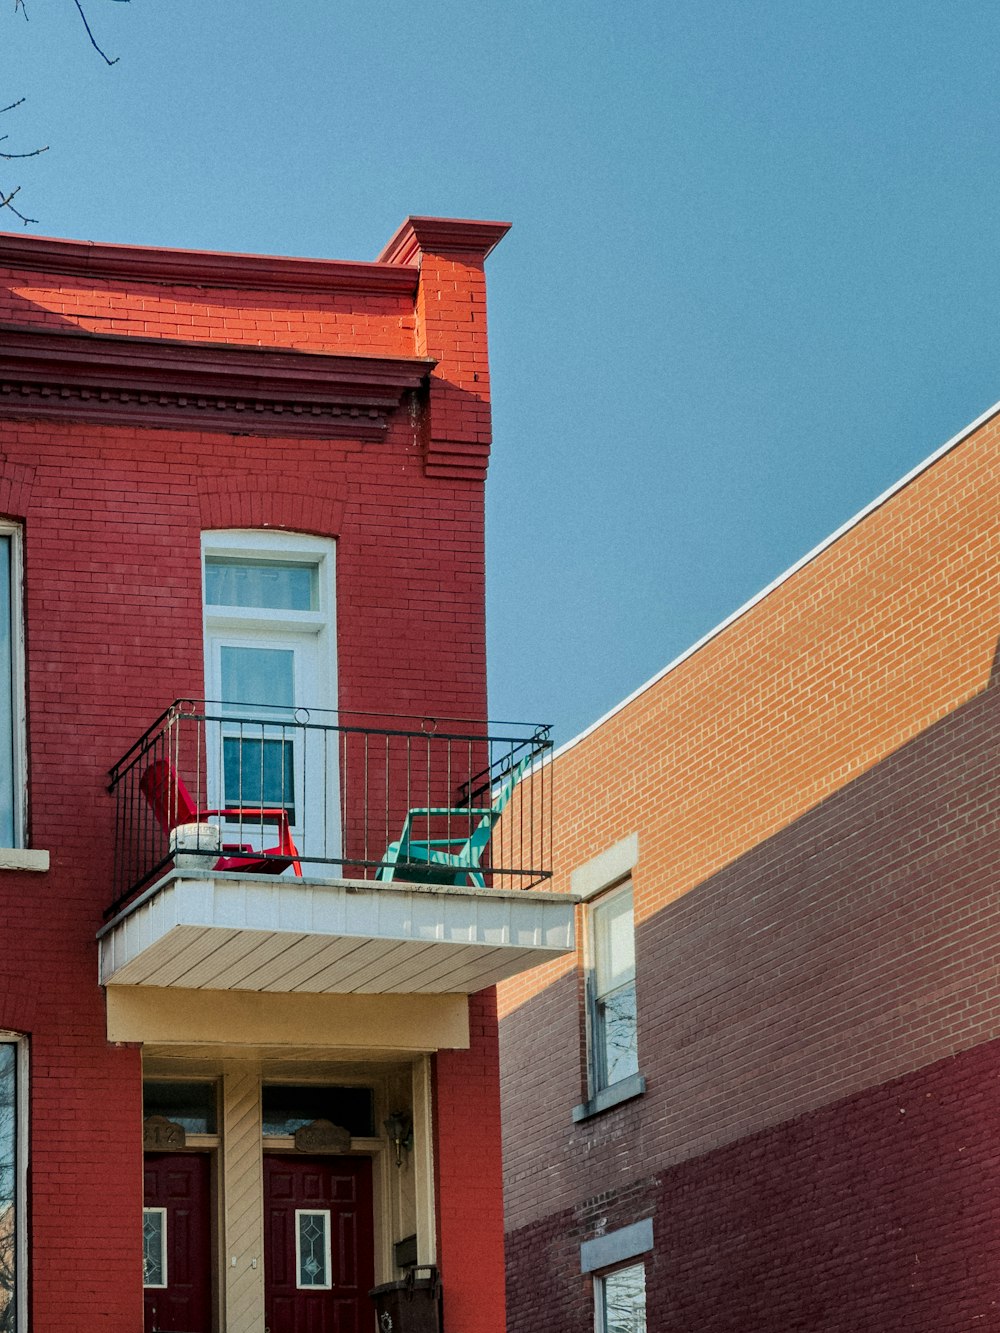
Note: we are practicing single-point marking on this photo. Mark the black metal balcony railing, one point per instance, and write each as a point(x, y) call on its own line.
point(286, 791)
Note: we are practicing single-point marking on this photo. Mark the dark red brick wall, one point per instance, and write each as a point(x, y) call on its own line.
point(879, 1212)
point(797, 1012)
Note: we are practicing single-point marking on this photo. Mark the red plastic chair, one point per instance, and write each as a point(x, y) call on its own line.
point(171, 803)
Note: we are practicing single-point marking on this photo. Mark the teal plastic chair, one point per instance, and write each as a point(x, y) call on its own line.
point(449, 860)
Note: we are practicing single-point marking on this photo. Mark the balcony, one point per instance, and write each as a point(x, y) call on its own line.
point(298, 851)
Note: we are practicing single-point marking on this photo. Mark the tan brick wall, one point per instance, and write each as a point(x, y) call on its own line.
point(884, 632)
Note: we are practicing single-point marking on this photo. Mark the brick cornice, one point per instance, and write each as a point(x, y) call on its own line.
point(442, 235)
point(155, 381)
point(202, 268)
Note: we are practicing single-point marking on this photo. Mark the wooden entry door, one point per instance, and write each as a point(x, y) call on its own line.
point(319, 1244)
point(177, 1243)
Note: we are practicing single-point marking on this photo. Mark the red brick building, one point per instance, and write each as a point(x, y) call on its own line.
point(765, 1094)
point(248, 1045)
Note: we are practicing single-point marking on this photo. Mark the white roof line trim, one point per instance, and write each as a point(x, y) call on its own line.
point(741, 611)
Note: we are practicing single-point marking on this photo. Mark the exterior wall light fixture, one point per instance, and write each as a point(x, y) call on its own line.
point(399, 1130)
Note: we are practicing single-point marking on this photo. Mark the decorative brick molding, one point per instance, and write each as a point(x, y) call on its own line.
point(112, 378)
point(202, 268)
point(442, 235)
point(271, 501)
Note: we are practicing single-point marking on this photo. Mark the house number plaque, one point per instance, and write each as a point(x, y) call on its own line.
point(158, 1133)
point(322, 1136)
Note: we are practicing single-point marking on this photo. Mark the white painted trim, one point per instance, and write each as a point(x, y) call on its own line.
point(599, 873)
point(19, 716)
point(807, 559)
point(23, 858)
point(422, 1157)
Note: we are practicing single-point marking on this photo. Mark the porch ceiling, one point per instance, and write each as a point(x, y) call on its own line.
point(224, 931)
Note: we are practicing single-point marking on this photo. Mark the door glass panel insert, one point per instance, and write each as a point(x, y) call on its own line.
point(259, 772)
point(312, 1249)
point(258, 677)
point(274, 585)
point(154, 1247)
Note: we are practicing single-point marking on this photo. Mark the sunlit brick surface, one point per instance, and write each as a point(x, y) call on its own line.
point(817, 921)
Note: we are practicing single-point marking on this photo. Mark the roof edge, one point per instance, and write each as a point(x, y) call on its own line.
point(202, 268)
point(801, 563)
point(419, 234)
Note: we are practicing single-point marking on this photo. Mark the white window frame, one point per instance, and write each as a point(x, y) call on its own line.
point(158, 1286)
point(21, 1178)
point(19, 746)
point(325, 1213)
point(600, 1297)
point(596, 1040)
point(255, 623)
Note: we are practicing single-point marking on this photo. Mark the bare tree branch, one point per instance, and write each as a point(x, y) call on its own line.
point(6, 198)
point(9, 157)
point(5, 202)
point(104, 56)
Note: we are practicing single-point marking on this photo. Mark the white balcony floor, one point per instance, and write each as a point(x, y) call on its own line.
point(225, 931)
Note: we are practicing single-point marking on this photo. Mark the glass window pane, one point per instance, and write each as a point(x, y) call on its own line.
point(614, 942)
point(616, 1016)
point(154, 1247)
point(6, 701)
point(312, 1245)
point(259, 773)
point(270, 584)
point(625, 1300)
point(287, 1108)
point(189, 1104)
point(261, 677)
point(8, 1186)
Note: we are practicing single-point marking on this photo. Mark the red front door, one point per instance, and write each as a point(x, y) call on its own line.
point(177, 1243)
point(319, 1246)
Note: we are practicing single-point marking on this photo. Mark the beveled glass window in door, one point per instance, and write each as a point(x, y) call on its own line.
point(154, 1247)
point(312, 1249)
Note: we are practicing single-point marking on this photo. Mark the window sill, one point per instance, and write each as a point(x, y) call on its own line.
point(623, 1091)
point(23, 858)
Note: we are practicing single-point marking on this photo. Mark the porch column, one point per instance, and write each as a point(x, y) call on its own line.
point(243, 1198)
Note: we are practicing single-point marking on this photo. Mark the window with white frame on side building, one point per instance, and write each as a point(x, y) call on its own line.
point(613, 1025)
point(604, 885)
point(620, 1300)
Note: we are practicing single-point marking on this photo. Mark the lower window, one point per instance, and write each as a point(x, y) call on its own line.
point(13, 1241)
point(620, 1299)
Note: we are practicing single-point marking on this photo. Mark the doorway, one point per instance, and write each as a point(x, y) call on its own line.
point(270, 670)
point(319, 1243)
point(177, 1243)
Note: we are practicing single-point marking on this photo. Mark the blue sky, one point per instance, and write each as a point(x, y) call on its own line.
point(752, 277)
